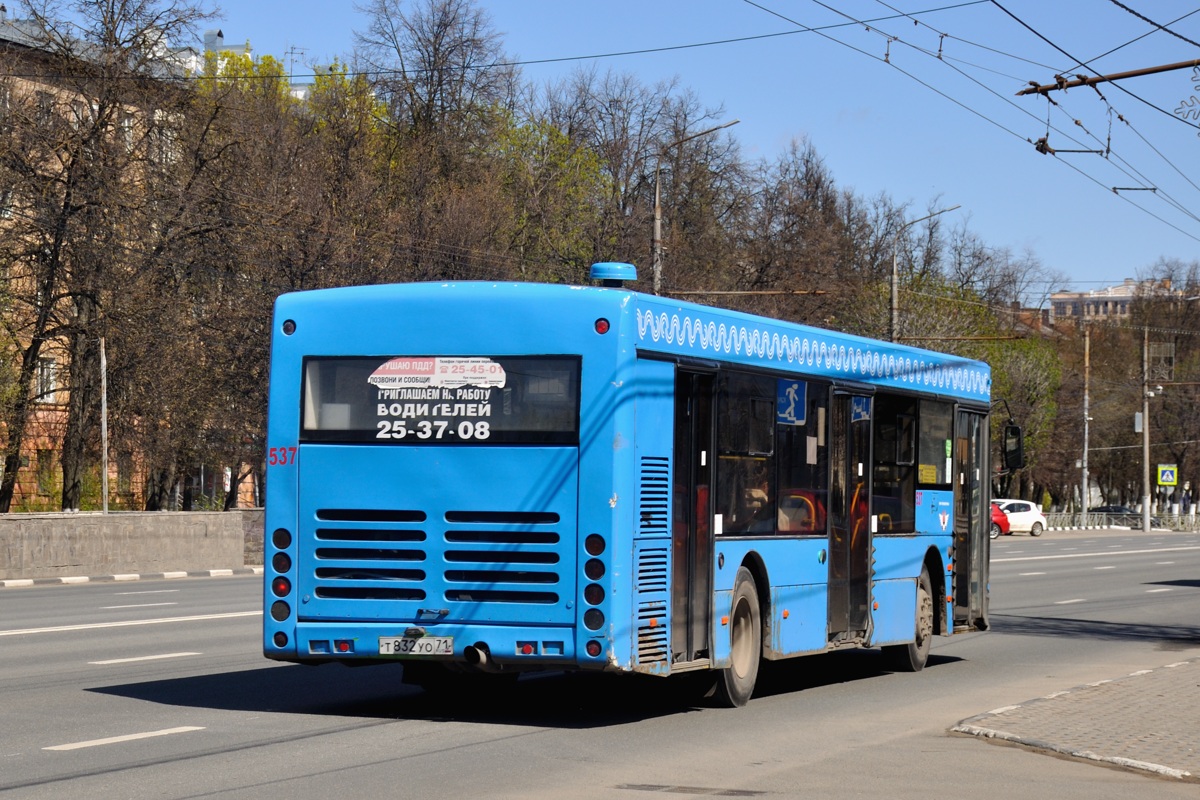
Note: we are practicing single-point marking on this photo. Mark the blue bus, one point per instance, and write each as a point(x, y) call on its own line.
point(488, 479)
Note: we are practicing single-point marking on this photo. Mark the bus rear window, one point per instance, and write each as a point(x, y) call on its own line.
point(441, 400)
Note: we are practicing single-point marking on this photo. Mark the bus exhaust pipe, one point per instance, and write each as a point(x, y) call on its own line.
point(479, 657)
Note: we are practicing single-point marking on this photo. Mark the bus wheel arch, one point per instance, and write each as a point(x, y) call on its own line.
point(735, 683)
point(913, 656)
point(937, 585)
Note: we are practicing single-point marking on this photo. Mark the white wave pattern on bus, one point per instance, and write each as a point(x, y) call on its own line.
point(810, 352)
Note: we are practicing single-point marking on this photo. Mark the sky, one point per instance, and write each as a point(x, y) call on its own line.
point(915, 99)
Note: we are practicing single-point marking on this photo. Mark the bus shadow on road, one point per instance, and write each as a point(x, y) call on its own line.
point(566, 700)
point(1167, 637)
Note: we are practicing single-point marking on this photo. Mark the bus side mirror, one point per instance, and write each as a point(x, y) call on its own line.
point(1014, 447)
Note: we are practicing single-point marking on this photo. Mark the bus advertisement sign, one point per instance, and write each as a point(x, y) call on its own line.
point(449, 373)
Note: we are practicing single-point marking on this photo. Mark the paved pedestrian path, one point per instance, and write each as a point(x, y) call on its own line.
point(1148, 721)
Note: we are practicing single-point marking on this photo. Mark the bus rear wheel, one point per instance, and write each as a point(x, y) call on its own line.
point(911, 657)
point(736, 682)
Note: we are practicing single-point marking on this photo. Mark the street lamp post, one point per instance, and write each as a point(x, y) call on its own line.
point(895, 324)
point(657, 253)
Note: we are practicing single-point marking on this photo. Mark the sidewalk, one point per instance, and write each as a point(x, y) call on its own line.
point(1147, 721)
point(17, 583)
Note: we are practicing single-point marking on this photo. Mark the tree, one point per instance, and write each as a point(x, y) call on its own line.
point(78, 173)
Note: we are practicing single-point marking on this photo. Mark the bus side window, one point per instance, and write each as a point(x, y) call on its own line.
point(894, 476)
point(803, 461)
point(746, 481)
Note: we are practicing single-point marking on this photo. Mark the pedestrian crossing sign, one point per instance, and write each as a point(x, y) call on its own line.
point(1167, 475)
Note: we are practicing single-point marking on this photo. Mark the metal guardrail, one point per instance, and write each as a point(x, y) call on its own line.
point(1174, 522)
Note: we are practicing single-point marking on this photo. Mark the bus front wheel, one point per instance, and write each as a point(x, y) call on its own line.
point(911, 657)
point(736, 682)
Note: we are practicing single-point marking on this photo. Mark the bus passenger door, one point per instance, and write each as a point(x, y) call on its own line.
point(850, 517)
point(691, 540)
point(972, 517)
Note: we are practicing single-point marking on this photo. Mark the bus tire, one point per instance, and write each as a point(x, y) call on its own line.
point(736, 682)
point(911, 657)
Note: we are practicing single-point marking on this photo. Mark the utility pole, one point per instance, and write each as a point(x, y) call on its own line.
point(657, 249)
point(1146, 395)
point(1086, 491)
point(103, 426)
point(895, 324)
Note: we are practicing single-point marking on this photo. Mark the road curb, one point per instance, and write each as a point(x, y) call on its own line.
point(21, 583)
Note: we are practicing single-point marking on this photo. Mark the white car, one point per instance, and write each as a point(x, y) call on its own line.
point(1023, 516)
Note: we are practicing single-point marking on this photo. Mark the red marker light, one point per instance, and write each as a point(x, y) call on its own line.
point(602, 326)
point(526, 649)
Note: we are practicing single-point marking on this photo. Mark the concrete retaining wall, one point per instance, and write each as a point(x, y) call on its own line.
point(89, 544)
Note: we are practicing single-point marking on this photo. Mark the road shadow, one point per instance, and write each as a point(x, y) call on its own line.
point(1193, 583)
point(1167, 637)
point(563, 700)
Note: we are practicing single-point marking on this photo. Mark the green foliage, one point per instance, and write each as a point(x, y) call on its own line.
point(551, 184)
point(263, 75)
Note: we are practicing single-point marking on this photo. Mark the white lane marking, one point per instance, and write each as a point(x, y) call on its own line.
point(149, 591)
point(1156, 591)
point(1108, 567)
point(143, 658)
point(1069, 602)
point(137, 605)
point(130, 737)
point(1030, 574)
point(94, 625)
point(1164, 563)
point(1104, 555)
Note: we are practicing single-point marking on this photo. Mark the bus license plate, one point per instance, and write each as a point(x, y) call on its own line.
point(416, 645)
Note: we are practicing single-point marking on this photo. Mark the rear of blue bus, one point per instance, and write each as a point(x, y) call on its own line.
point(425, 460)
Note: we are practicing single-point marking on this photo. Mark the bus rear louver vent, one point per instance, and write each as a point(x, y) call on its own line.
point(654, 496)
point(503, 557)
point(652, 633)
point(652, 571)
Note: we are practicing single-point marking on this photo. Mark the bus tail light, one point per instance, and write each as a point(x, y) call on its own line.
point(593, 593)
point(280, 611)
point(593, 619)
point(281, 538)
point(594, 544)
point(602, 326)
point(281, 586)
point(593, 648)
point(280, 639)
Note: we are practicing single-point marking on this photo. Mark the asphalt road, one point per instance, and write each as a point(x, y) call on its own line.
point(156, 689)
